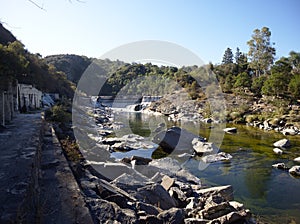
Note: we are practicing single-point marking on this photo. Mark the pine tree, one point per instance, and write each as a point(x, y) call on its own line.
point(237, 56)
point(228, 56)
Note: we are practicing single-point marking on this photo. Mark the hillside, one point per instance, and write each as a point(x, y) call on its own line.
point(6, 36)
point(74, 65)
point(17, 63)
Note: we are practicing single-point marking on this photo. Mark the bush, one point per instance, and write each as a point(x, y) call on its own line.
point(60, 114)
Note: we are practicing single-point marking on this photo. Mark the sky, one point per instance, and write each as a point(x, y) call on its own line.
point(205, 27)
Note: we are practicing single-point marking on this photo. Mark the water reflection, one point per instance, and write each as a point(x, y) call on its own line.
point(272, 194)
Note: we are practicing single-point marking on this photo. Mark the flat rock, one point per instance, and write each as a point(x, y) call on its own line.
point(167, 182)
point(280, 166)
point(225, 191)
point(222, 156)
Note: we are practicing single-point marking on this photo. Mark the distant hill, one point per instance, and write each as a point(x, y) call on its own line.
point(74, 65)
point(6, 36)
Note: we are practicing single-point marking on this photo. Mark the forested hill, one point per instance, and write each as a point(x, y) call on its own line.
point(6, 36)
point(17, 63)
point(74, 65)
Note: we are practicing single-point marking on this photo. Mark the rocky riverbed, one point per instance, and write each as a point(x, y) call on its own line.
point(142, 190)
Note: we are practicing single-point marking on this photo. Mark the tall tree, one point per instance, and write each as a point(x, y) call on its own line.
point(228, 56)
point(261, 52)
point(237, 55)
point(294, 59)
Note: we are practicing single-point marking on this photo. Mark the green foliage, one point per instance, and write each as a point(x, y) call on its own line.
point(60, 114)
point(261, 52)
point(275, 85)
point(294, 86)
point(257, 84)
point(243, 80)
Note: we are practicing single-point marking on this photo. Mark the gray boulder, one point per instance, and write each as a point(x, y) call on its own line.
point(172, 216)
point(283, 143)
point(222, 156)
point(295, 171)
point(201, 147)
point(155, 194)
point(280, 166)
point(225, 191)
point(175, 138)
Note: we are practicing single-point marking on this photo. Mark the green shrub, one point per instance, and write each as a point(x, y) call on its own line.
point(60, 114)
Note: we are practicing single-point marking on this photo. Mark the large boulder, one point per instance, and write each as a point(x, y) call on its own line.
point(176, 138)
point(225, 191)
point(283, 143)
point(155, 194)
point(295, 171)
point(173, 215)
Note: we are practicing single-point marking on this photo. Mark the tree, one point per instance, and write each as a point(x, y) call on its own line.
point(261, 52)
point(237, 56)
point(257, 84)
point(228, 56)
point(275, 85)
point(243, 80)
point(295, 62)
point(294, 86)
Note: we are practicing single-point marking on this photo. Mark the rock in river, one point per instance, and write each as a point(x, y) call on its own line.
point(201, 147)
point(222, 156)
point(280, 166)
point(283, 143)
point(278, 151)
point(295, 171)
point(176, 138)
point(297, 160)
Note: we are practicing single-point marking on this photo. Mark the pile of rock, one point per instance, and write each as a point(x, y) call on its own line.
point(176, 197)
point(276, 124)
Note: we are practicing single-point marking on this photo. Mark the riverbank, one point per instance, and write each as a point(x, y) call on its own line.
point(137, 189)
point(267, 113)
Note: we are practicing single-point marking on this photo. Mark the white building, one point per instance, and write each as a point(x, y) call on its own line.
point(28, 97)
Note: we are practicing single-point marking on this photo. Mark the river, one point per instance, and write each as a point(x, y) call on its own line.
point(272, 195)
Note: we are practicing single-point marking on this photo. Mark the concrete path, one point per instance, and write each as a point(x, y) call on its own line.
point(36, 183)
point(19, 145)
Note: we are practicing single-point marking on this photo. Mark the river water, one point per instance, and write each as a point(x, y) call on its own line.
point(272, 195)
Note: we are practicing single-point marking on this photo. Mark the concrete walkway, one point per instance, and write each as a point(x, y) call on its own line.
point(36, 183)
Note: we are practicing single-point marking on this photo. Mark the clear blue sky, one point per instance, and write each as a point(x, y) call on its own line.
point(206, 27)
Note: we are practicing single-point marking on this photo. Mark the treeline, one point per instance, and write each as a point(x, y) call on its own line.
point(257, 73)
point(16, 63)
